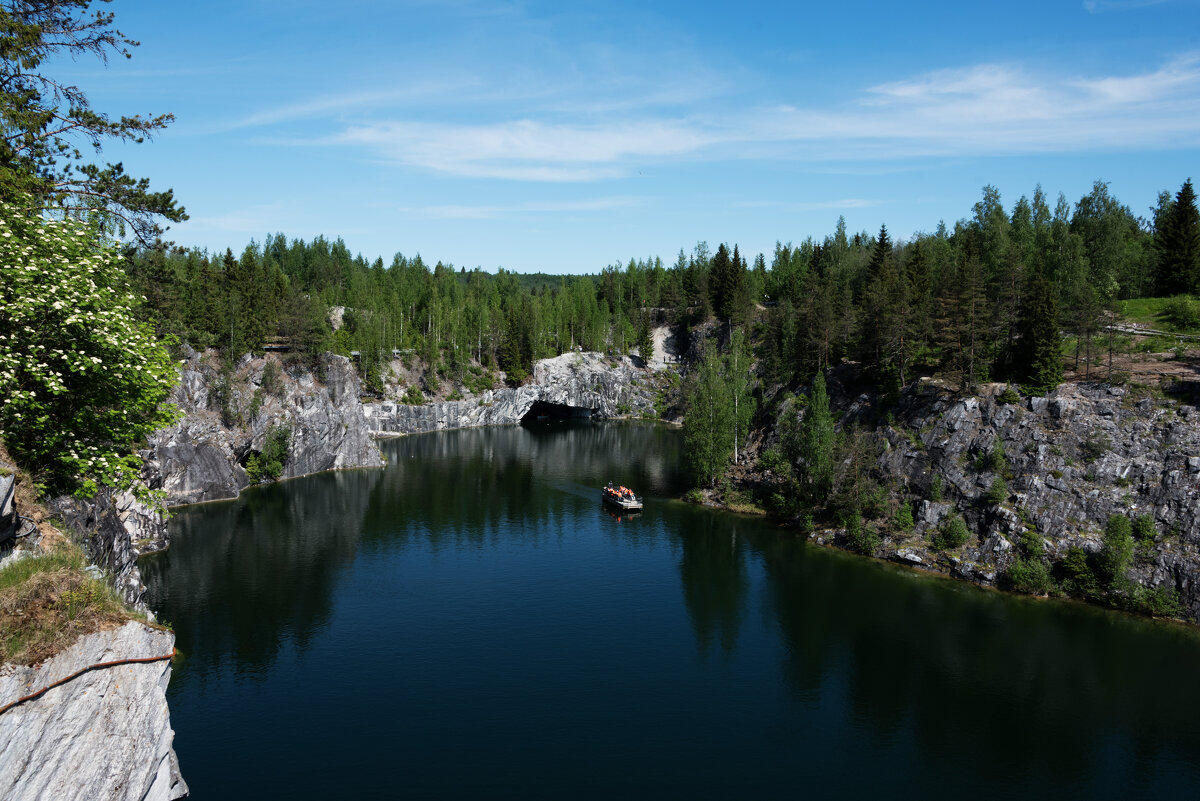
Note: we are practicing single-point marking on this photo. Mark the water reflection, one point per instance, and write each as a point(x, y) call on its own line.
point(712, 571)
point(803, 661)
point(1042, 689)
point(259, 570)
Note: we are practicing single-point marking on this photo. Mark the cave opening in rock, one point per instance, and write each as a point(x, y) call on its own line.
point(544, 411)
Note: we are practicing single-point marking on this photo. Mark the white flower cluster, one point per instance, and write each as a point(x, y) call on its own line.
point(81, 379)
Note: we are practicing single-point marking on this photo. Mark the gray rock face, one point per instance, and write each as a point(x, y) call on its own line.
point(116, 529)
point(590, 383)
point(200, 458)
point(104, 735)
point(1075, 457)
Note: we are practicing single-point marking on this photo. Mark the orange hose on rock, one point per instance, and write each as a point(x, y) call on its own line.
point(78, 673)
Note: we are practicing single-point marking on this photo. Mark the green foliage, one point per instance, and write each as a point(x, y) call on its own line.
point(1077, 576)
point(1116, 554)
point(998, 492)
point(268, 465)
point(222, 393)
point(935, 488)
point(1177, 241)
point(1156, 601)
point(1030, 575)
point(478, 380)
point(874, 503)
point(903, 519)
point(859, 536)
point(951, 533)
point(82, 380)
point(645, 338)
point(45, 121)
point(1143, 529)
point(1031, 544)
point(1094, 447)
point(272, 379)
point(1182, 313)
point(413, 396)
point(813, 444)
point(1009, 395)
point(1039, 348)
point(708, 420)
point(994, 460)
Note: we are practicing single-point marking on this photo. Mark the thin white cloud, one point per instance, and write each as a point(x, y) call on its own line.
point(812, 205)
point(480, 212)
point(1101, 6)
point(979, 110)
point(527, 149)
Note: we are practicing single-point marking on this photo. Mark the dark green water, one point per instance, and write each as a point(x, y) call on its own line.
point(471, 623)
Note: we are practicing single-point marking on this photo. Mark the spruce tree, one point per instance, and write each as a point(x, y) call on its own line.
point(1178, 244)
point(815, 446)
point(1039, 349)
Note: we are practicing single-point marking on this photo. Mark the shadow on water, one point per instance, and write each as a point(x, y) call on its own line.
point(258, 570)
point(806, 663)
point(1040, 692)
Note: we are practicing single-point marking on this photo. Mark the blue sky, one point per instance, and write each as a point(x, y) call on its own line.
point(562, 137)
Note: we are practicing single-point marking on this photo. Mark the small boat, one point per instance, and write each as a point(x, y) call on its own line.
point(621, 498)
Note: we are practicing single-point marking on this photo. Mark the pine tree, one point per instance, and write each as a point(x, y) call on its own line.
point(881, 255)
point(48, 125)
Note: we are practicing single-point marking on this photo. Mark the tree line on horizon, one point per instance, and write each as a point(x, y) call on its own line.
point(984, 299)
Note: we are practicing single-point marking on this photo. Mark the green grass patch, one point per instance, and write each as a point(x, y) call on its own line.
point(47, 602)
point(1162, 313)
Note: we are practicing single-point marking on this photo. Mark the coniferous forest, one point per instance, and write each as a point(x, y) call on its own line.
point(989, 298)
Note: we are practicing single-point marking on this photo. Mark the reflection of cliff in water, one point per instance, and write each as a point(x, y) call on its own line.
point(911, 653)
point(258, 570)
point(466, 484)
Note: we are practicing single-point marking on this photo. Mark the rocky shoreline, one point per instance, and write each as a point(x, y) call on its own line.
point(1071, 459)
point(104, 732)
point(1067, 462)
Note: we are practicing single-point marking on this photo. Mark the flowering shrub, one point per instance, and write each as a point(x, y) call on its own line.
point(82, 381)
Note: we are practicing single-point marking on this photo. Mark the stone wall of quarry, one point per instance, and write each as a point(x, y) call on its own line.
point(1075, 457)
point(594, 385)
point(103, 732)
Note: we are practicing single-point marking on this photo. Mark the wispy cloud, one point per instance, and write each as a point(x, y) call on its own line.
point(528, 150)
point(479, 212)
point(978, 110)
point(812, 205)
point(1101, 6)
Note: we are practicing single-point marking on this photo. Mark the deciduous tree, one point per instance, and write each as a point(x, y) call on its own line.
point(82, 381)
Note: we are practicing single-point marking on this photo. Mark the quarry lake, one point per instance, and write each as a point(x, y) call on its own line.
point(471, 622)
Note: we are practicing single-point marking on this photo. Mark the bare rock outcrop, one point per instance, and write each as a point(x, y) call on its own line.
point(1069, 461)
point(114, 529)
point(229, 415)
point(589, 384)
point(105, 733)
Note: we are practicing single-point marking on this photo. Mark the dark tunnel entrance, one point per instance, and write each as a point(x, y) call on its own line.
point(543, 411)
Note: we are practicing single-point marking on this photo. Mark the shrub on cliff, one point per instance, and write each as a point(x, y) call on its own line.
point(1030, 575)
point(268, 465)
point(82, 381)
point(951, 534)
point(1117, 552)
